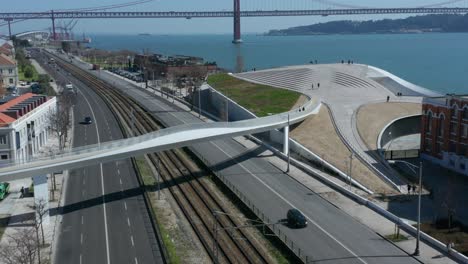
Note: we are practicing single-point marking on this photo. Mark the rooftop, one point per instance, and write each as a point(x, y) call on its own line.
point(5, 60)
point(11, 103)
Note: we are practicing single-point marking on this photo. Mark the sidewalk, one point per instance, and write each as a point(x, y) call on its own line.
point(20, 211)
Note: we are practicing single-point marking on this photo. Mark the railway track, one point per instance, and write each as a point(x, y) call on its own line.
point(211, 219)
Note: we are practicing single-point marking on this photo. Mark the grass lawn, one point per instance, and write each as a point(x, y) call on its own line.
point(396, 238)
point(456, 235)
point(35, 76)
point(149, 181)
point(259, 99)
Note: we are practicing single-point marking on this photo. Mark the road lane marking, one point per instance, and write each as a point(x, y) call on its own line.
point(125, 204)
point(102, 181)
point(82, 221)
point(120, 181)
point(290, 204)
point(81, 259)
point(118, 171)
point(81, 239)
point(133, 243)
point(128, 221)
point(136, 260)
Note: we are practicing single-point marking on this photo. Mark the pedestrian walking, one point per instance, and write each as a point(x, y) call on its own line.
point(312, 86)
point(318, 85)
point(342, 61)
point(388, 98)
point(409, 188)
point(414, 189)
point(22, 192)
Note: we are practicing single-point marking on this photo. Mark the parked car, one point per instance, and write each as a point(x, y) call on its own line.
point(4, 190)
point(296, 218)
point(88, 120)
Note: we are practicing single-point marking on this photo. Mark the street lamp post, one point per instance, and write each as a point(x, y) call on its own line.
point(289, 152)
point(420, 168)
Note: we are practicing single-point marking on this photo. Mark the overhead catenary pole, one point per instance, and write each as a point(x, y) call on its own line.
point(9, 27)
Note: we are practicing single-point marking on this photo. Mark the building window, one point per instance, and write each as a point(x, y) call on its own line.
point(3, 139)
point(462, 150)
point(11, 80)
point(428, 145)
point(439, 147)
point(452, 147)
point(455, 111)
point(465, 112)
point(429, 123)
point(465, 131)
point(441, 126)
point(10, 71)
point(4, 157)
point(453, 128)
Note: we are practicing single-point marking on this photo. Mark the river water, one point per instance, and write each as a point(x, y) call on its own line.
point(437, 61)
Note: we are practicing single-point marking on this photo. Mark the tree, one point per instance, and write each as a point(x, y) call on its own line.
point(59, 121)
point(22, 248)
point(28, 72)
point(2, 87)
point(66, 46)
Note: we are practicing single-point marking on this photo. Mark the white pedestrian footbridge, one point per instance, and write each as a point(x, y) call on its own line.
point(173, 137)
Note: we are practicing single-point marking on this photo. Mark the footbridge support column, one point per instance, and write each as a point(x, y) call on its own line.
point(286, 140)
point(41, 199)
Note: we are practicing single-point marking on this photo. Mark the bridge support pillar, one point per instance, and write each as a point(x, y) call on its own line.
point(237, 23)
point(9, 26)
point(286, 140)
point(54, 35)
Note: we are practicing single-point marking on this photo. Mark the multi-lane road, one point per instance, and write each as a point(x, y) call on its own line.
point(332, 236)
point(104, 216)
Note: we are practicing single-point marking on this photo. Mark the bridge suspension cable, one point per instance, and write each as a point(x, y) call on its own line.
point(89, 9)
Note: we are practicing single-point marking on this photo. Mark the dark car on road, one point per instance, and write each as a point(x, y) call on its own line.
point(87, 120)
point(296, 219)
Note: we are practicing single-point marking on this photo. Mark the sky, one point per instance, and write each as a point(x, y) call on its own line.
point(193, 26)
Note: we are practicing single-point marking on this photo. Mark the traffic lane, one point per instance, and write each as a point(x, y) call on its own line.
point(120, 239)
point(361, 242)
point(144, 238)
point(120, 183)
point(81, 241)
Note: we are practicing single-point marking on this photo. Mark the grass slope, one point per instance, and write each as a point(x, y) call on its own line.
point(259, 99)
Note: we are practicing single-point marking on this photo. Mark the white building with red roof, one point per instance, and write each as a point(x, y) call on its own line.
point(8, 71)
point(24, 126)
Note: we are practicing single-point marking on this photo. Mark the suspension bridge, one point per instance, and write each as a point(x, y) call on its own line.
point(327, 8)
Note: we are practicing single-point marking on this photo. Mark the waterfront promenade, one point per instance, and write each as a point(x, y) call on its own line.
point(344, 88)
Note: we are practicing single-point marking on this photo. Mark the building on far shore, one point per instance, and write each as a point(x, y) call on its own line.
point(24, 125)
point(173, 66)
point(444, 135)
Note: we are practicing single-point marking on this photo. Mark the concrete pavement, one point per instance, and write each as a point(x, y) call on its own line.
point(344, 88)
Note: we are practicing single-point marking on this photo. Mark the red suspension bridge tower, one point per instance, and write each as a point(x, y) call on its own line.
point(237, 23)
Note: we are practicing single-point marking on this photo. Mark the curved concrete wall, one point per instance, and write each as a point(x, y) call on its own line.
point(400, 127)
